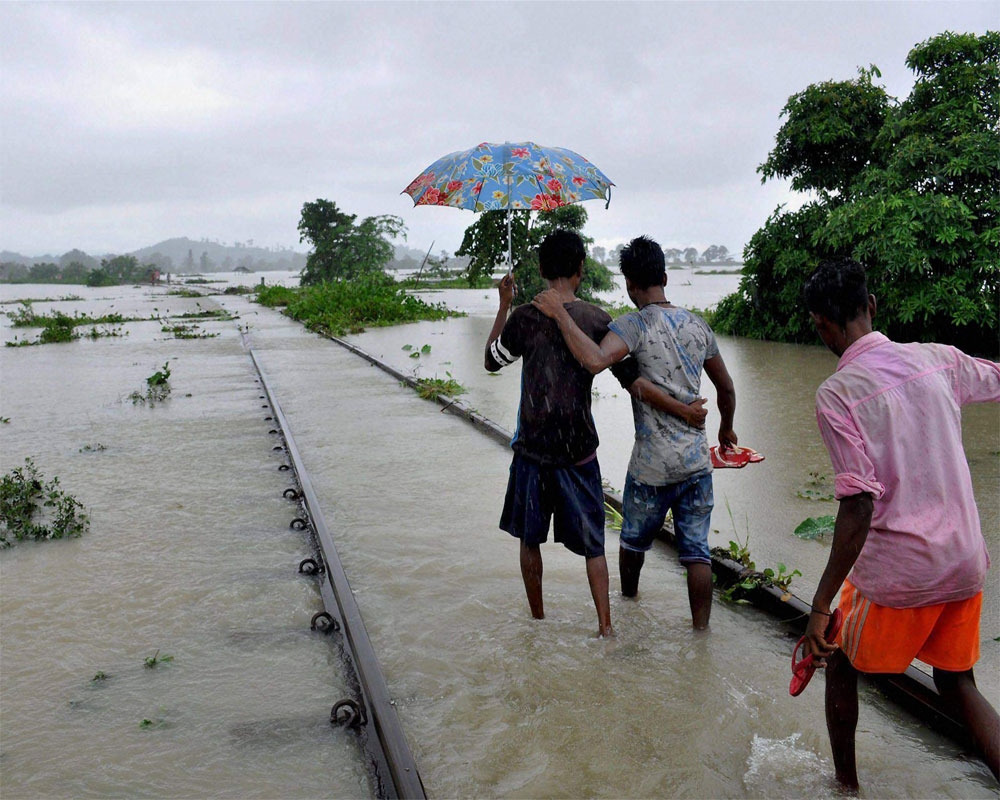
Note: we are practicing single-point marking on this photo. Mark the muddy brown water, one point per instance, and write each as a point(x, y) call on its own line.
point(190, 552)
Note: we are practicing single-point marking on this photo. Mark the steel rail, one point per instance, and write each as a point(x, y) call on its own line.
point(390, 760)
point(914, 690)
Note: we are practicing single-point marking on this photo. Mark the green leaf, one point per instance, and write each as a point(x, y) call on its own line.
point(815, 527)
point(407, 347)
point(425, 349)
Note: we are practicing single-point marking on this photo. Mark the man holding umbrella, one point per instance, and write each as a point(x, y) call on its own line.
point(554, 475)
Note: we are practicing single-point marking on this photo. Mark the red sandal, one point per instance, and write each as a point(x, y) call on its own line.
point(802, 671)
point(734, 457)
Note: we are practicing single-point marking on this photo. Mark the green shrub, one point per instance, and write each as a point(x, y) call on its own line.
point(342, 307)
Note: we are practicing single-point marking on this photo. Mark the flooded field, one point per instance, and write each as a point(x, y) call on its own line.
point(190, 553)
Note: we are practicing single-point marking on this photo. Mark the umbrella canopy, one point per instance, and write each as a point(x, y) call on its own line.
point(509, 176)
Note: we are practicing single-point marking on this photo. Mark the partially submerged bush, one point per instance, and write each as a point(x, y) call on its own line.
point(33, 509)
point(157, 388)
point(344, 307)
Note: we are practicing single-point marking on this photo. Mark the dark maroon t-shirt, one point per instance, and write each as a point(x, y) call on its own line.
point(554, 423)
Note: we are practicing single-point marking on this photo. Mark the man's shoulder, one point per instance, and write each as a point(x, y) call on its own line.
point(581, 309)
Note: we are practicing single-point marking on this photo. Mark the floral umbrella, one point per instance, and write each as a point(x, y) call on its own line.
point(509, 176)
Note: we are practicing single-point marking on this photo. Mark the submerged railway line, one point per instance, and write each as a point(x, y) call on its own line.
point(371, 712)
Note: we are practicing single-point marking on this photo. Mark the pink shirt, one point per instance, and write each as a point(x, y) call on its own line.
point(891, 418)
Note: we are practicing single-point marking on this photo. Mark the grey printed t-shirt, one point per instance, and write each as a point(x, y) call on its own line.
point(670, 345)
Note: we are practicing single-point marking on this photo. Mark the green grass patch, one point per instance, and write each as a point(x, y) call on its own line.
point(343, 307)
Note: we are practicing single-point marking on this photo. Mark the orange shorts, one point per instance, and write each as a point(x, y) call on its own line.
point(881, 639)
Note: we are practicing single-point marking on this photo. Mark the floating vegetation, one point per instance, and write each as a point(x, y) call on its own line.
point(64, 299)
point(25, 317)
point(157, 388)
point(215, 313)
point(815, 527)
point(238, 290)
point(4, 420)
point(92, 448)
point(738, 271)
point(343, 307)
point(749, 578)
point(184, 293)
point(432, 388)
point(153, 661)
point(188, 332)
point(816, 488)
point(99, 676)
point(202, 280)
point(25, 497)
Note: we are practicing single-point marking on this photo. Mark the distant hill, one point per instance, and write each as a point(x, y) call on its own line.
point(189, 255)
point(182, 255)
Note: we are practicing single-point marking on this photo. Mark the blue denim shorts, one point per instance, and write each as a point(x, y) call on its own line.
point(645, 508)
point(571, 497)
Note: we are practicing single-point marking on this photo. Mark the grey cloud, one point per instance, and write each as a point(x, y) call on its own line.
point(127, 122)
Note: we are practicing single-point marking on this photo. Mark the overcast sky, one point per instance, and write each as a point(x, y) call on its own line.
point(125, 124)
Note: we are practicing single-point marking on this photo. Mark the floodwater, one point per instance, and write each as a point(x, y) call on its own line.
point(493, 702)
point(189, 553)
point(776, 386)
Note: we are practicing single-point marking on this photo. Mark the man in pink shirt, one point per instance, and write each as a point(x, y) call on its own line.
point(907, 529)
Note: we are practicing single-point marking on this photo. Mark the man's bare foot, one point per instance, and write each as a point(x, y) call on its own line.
point(606, 633)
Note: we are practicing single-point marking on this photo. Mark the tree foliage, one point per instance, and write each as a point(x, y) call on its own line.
point(485, 244)
point(909, 189)
point(342, 248)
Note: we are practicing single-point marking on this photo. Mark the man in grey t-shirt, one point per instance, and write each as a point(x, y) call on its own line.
point(670, 468)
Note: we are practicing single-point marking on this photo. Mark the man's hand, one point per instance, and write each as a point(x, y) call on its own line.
point(549, 302)
point(696, 413)
point(727, 439)
point(507, 289)
point(816, 642)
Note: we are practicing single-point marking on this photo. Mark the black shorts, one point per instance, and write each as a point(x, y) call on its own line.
point(573, 495)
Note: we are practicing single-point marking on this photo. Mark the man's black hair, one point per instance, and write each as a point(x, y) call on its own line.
point(642, 262)
point(560, 255)
point(837, 290)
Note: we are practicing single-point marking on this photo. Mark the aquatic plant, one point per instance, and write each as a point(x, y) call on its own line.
point(153, 661)
point(815, 527)
point(749, 578)
point(25, 495)
point(343, 307)
point(100, 675)
point(215, 313)
point(92, 448)
point(188, 332)
point(157, 388)
point(185, 293)
point(4, 420)
point(25, 317)
point(816, 488)
point(432, 388)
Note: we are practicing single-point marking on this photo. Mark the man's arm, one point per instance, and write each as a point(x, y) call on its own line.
point(593, 356)
point(854, 519)
point(716, 370)
point(645, 391)
point(507, 291)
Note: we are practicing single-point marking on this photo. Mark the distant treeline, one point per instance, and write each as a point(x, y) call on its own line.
point(171, 255)
point(110, 272)
point(713, 254)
